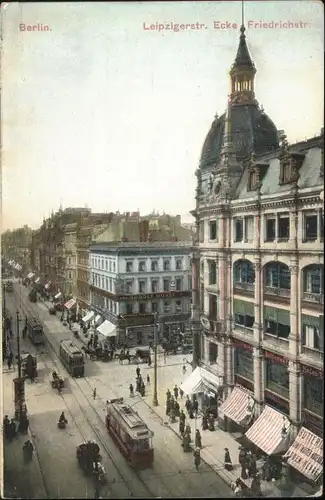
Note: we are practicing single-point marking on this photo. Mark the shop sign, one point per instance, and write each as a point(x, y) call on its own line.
point(311, 418)
point(242, 345)
point(276, 358)
point(152, 296)
point(307, 370)
point(276, 399)
point(307, 457)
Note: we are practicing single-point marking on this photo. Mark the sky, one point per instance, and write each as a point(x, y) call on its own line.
point(101, 111)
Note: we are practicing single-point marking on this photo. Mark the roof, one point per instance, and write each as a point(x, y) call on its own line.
point(309, 173)
point(251, 130)
point(243, 58)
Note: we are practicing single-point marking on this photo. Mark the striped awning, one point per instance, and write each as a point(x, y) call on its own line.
point(58, 295)
point(306, 454)
point(107, 329)
point(88, 316)
point(238, 406)
point(266, 431)
point(70, 303)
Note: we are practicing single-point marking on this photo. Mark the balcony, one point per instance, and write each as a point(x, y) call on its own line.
point(312, 357)
point(315, 298)
point(242, 332)
point(277, 294)
point(277, 344)
point(246, 289)
point(212, 288)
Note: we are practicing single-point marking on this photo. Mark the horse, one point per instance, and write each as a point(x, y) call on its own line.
point(123, 356)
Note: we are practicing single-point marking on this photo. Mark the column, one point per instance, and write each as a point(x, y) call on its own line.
point(258, 378)
point(294, 395)
point(206, 283)
point(228, 297)
point(206, 230)
point(319, 224)
point(258, 302)
point(293, 227)
point(294, 308)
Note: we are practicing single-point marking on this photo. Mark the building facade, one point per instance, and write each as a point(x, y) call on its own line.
point(70, 256)
point(259, 269)
point(132, 281)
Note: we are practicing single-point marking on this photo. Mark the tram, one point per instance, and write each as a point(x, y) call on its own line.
point(35, 331)
point(72, 358)
point(130, 433)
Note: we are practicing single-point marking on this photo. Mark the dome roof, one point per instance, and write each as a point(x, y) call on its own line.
point(251, 130)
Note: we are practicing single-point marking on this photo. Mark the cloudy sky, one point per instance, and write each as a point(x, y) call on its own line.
point(103, 112)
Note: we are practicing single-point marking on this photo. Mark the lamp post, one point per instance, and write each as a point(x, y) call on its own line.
point(155, 392)
point(19, 382)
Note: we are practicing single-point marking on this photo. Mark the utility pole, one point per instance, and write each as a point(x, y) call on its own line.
point(155, 382)
point(19, 382)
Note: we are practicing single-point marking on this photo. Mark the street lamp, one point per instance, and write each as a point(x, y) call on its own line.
point(155, 391)
point(19, 382)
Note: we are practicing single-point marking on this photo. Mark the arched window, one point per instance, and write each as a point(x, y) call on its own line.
point(313, 277)
point(277, 275)
point(244, 272)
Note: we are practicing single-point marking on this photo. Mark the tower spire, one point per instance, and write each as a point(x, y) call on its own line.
point(242, 13)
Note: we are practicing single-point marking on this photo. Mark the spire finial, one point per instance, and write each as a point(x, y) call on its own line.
point(242, 15)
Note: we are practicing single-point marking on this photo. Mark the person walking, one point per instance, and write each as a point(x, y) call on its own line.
point(94, 393)
point(181, 393)
point(131, 390)
point(195, 406)
point(227, 461)
point(184, 369)
point(197, 458)
point(148, 379)
point(9, 361)
point(198, 439)
point(176, 392)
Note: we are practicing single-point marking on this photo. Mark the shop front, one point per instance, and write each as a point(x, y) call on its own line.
point(276, 393)
point(313, 399)
point(236, 413)
point(305, 455)
point(243, 364)
point(203, 384)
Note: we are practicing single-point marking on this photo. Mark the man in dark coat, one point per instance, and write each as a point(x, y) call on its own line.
point(176, 392)
point(195, 406)
point(227, 461)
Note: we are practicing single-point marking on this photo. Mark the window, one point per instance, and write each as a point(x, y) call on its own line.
point(110, 305)
point(252, 180)
point(110, 265)
point(285, 173)
point(103, 283)
point(313, 279)
point(178, 306)
point(106, 265)
point(179, 264)
point(239, 229)
point(167, 307)
point(213, 230)
point(249, 229)
point(212, 272)
point(166, 285)
point(310, 227)
point(142, 307)
point(243, 313)
point(322, 225)
point(102, 263)
point(276, 322)
point(270, 229)
point(69, 261)
point(166, 265)
point(154, 307)
point(129, 267)
point(244, 272)
point(154, 286)
point(213, 307)
point(179, 283)
point(142, 287)
point(114, 267)
point(277, 378)
point(107, 284)
point(142, 266)
point(201, 231)
point(283, 227)
point(213, 353)
point(154, 265)
point(129, 308)
point(69, 275)
point(128, 286)
point(311, 337)
point(110, 285)
point(277, 275)
point(244, 364)
point(314, 394)
point(114, 307)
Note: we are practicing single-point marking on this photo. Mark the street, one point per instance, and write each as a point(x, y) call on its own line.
point(173, 473)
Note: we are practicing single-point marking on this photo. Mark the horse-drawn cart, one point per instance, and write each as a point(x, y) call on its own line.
point(90, 459)
point(57, 381)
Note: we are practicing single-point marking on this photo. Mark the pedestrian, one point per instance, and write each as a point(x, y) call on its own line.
point(182, 416)
point(177, 409)
point(12, 429)
point(198, 439)
point(184, 369)
point(9, 362)
point(131, 390)
point(195, 406)
point(168, 394)
point(138, 372)
point(6, 427)
point(181, 427)
point(148, 379)
point(176, 391)
point(252, 471)
point(149, 360)
point(187, 404)
point(197, 458)
point(227, 460)
point(94, 393)
point(181, 393)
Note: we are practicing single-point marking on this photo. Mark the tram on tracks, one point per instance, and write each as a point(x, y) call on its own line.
point(130, 433)
point(72, 358)
point(35, 331)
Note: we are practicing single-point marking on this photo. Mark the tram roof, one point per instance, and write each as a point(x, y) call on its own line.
point(131, 417)
point(70, 347)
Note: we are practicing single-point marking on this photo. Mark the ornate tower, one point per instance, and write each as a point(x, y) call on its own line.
point(242, 74)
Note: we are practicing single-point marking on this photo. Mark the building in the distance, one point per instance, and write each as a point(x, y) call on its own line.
point(130, 281)
point(260, 268)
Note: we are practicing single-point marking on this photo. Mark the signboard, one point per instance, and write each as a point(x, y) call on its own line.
point(172, 286)
point(307, 370)
point(306, 454)
point(242, 345)
point(276, 358)
point(148, 296)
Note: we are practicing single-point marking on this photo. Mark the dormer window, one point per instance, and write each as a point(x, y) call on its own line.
point(252, 180)
point(285, 173)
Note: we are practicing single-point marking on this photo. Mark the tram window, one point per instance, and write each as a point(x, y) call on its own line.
point(142, 444)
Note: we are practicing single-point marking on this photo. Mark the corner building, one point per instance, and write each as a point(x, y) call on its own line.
point(258, 271)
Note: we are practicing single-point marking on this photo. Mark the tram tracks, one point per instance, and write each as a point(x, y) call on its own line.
point(135, 484)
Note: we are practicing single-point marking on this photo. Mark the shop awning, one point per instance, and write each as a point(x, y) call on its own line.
point(107, 329)
point(210, 380)
point(37, 280)
point(47, 285)
point(266, 431)
point(30, 275)
point(306, 454)
point(238, 406)
point(194, 383)
point(70, 303)
point(58, 295)
point(88, 317)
